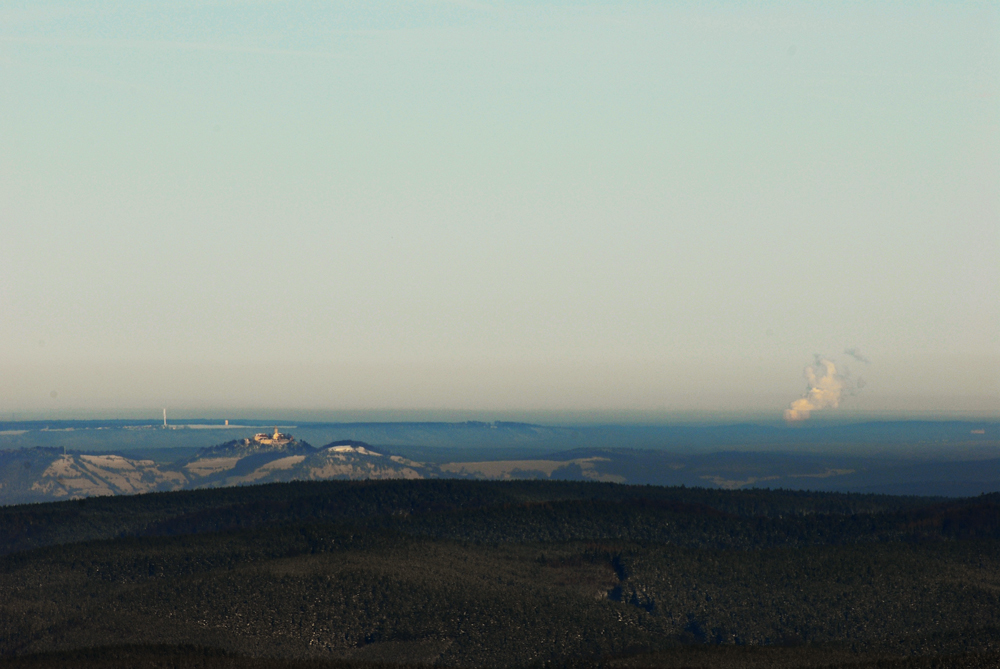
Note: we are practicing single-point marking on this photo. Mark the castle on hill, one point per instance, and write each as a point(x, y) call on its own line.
point(276, 439)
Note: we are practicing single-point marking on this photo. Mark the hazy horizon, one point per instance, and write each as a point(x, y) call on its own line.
point(429, 208)
point(180, 416)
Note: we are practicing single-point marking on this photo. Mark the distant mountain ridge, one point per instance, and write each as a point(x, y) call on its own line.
point(46, 474)
point(40, 474)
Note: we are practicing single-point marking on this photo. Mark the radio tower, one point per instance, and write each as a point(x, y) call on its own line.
point(164, 419)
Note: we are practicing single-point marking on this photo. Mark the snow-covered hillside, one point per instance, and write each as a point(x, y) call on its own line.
point(43, 474)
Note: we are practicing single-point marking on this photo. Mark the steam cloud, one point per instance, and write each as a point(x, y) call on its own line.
point(856, 354)
point(825, 389)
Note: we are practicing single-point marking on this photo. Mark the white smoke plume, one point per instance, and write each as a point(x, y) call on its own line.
point(856, 354)
point(825, 389)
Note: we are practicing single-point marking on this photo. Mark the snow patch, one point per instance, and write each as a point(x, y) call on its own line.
point(353, 449)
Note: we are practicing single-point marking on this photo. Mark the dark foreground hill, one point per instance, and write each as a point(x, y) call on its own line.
point(472, 573)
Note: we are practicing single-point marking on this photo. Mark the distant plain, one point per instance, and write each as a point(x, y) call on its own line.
point(931, 458)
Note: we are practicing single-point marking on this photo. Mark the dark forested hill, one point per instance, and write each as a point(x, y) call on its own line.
point(475, 573)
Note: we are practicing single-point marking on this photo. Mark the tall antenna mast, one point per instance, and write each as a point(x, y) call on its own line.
point(164, 418)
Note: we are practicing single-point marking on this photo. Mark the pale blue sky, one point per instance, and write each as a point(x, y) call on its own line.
point(497, 206)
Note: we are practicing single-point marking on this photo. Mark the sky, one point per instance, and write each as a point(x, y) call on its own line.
point(489, 208)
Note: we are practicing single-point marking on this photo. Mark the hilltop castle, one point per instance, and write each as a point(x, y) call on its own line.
point(276, 439)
